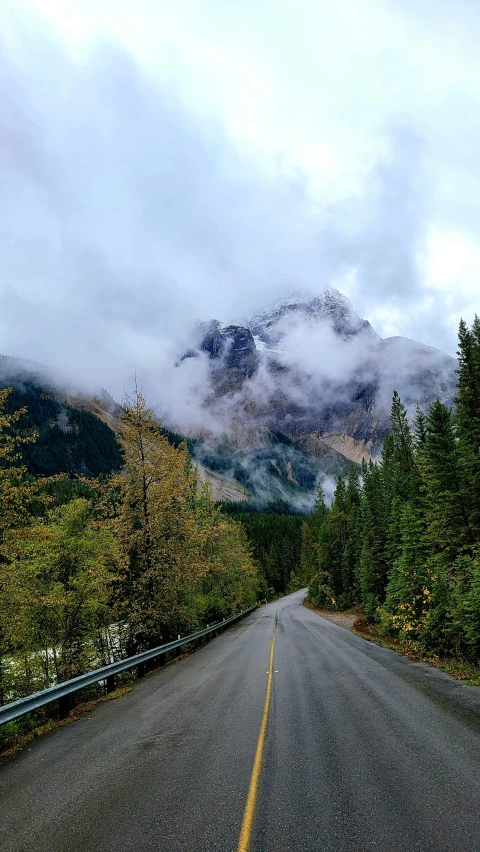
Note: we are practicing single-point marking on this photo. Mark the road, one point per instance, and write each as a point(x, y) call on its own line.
point(364, 750)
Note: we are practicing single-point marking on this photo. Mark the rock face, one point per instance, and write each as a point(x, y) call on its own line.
point(303, 389)
point(315, 366)
point(233, 352)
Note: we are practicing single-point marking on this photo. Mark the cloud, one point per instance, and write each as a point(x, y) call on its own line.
point(129, 212)
point(126, 217)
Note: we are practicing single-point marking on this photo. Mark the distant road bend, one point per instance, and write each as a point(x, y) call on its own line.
point(362, 750)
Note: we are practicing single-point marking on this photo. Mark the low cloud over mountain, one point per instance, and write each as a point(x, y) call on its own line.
point(303, 366)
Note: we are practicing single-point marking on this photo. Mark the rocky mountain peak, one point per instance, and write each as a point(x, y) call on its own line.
point(310, 365)
point(270, 325)
point(233, 350)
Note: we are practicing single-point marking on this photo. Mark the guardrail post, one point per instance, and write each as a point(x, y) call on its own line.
point(110, 683)
point(141, 670)
point(64, 706)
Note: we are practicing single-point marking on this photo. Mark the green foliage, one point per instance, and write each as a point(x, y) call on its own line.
point(447, 510)
point(406, 604)
point(181, 560)
point(56, 586)
point(332, 546)
point(275, 538)
point(404, 543)
point(95, 568)
point(467, 418)
point(373, 564)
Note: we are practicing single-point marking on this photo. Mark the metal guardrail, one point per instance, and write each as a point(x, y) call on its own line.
point(11, 711)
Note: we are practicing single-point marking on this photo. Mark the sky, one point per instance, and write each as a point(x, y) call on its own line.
point(163, 163)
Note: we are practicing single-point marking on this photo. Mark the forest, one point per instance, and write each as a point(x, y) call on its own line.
point(68, 439)
point(274, 532)
point(97, 568)
point(402, 540)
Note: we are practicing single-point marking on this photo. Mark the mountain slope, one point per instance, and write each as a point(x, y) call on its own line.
point(76, 433)
point(71, 438)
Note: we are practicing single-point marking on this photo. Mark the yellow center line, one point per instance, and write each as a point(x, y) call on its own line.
point(249, 813)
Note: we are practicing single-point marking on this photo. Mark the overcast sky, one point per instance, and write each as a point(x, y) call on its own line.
point(167, 161)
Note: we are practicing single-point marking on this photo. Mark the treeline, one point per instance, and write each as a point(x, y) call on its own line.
point(275, 536)
point(95, 569)
point(68, 440)
point(403, 541)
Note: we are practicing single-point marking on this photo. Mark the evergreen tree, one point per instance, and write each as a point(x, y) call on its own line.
point(471, 613)
point(276, 541)
point(352, 551)
point(337, 543)
point(407, 543)
point(312, 531)
point(420, 428)
point(447, 513)
point(467, 418)
point(402, 456)
point(407, 596)
point(373, 556)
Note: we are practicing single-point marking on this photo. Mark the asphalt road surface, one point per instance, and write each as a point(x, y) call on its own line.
point(364, 750)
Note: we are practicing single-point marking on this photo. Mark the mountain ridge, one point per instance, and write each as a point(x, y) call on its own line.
point(297, 393)
point(317, 366)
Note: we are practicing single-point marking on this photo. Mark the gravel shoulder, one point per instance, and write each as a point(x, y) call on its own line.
point(343, 619)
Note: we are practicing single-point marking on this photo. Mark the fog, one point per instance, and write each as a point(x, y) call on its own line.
point(131, 210)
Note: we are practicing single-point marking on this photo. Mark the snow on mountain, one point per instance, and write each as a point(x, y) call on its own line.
point(331, 307)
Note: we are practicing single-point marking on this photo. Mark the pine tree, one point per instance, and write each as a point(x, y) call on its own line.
point(446, 510)
point(471, 613)
point(467, 418)
point(403, 447)
point(407, 595)
point(373, 556)
point(399, 474)
point(351, 555)
point(337, 542)
point(468, 387)
point(309, 554)
point(438, 634)
point(312, 531)
point(420, 428)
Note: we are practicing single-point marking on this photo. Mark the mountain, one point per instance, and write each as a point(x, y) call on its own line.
point(314, 372)
point(268, 326)
point(291, 396)
point(74, 433)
